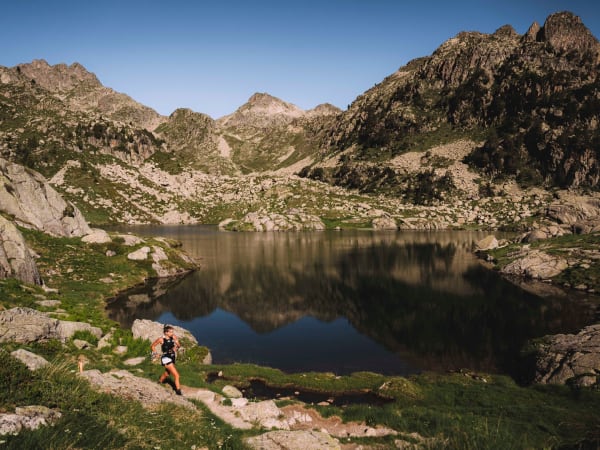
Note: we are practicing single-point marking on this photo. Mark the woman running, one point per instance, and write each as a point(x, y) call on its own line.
point(169, 345)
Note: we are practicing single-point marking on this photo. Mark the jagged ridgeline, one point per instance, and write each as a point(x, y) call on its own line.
point(530, 103)
point(507, 105)
point(121, 161)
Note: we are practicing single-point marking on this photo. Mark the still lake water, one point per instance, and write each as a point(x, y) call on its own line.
point(345, 301)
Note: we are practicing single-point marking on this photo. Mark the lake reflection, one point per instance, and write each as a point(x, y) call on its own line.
point(388, 302)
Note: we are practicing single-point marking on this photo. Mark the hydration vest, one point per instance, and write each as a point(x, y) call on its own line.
point(168, 344)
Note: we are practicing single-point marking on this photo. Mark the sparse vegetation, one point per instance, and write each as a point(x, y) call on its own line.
point(534, 106)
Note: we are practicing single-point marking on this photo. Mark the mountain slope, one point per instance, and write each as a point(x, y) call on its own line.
point(82, 91)
point(267, 133)
point(534, 99)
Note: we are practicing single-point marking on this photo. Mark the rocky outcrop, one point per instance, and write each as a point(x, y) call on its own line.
point(572, 208)
point(31, 360)
point(15, 259)
point(324, 109)
point(487, 243)
point(149, 330)
point(537, 265)
point(125, 384)
point(27, 418)
point(543, 232)
point(565, 32)
point(292, 221)
point(587, 226)
point(27, 196)
point(26, 325)
point(161, 263)
point(569, 358)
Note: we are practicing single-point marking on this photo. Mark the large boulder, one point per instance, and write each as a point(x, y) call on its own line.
point(31, 360)
point(29, 198)
point(569, 358)
point(150, 331)
point(26, 325)
point(487, 243)
point(97, 236)
point(15, 259)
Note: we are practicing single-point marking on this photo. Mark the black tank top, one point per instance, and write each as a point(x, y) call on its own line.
point(167, 346)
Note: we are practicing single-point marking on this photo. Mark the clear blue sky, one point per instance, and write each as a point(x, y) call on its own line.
point(212, 56)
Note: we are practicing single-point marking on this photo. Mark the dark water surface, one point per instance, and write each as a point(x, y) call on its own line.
point(346, 301)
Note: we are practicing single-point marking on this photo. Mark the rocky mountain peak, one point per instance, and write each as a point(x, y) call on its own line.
point(532, 32)
point(59, 77)
point(263, 102)
point(506, 31)
point(457, 58)
point(261, 110)
point(565, 32)
point(324, 109)
point(186, 114)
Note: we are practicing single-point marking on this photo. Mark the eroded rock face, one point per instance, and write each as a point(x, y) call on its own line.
point(15, 259)
point(570, 358)
point(27, 196)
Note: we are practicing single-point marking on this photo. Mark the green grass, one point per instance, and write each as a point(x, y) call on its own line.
point(76, 270)
point(345, 222)
point(458, 411)
point(453, 410)
point(94, 420)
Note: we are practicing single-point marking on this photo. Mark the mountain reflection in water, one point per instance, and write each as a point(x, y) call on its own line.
point(388, 302)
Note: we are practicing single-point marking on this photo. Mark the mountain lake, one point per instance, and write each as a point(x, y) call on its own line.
point(392, 302)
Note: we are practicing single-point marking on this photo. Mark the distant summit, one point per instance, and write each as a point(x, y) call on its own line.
point(59, 77)
point(262, 110)
point(324, 109)
point(82, 91)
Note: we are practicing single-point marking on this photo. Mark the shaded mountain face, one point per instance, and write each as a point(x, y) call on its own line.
point(533, 99)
